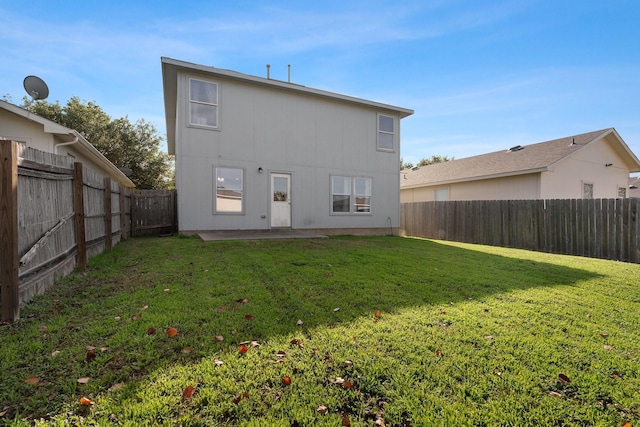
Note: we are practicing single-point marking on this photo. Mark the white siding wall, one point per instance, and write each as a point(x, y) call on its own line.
point(22, 130)
point(310, 137)
point(588, 164)
point(520, 187)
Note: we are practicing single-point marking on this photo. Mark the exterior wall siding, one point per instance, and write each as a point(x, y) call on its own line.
point(587, 165)
point(303, 135)
point(519, 187)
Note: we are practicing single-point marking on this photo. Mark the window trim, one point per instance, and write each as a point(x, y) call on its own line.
point(215, 192)
point(393, 134)
point(352, 195)
point(216, 104)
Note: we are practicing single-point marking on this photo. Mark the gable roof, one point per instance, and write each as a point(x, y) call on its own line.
point(170, 68)
point(72, 137)
point(519, 160)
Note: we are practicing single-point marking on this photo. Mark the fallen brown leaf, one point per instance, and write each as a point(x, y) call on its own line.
point(83, 380)
point(32, 380)
point(322, 409)
point(85, 401)
point(188, 392)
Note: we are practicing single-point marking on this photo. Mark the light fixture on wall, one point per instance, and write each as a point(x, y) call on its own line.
point(260, 169)
point(608, 164)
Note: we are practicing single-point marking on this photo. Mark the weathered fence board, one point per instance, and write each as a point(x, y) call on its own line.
point(60, 220)
point(153, 212)
point(597, 228)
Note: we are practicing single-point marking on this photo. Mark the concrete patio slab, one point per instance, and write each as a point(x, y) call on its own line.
point(210, 236)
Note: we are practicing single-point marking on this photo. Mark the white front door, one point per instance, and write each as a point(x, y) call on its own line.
point(280, 200)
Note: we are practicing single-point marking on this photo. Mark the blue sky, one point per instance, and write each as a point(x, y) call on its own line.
point(481, 75)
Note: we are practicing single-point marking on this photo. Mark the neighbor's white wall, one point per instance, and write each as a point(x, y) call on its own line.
point(519, 187)
point(587, 165)
point(19, 129)
point(306, 136)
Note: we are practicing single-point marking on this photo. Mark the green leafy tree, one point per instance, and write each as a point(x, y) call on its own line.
point(434, 159)
point(134, 146)
point(404, 165)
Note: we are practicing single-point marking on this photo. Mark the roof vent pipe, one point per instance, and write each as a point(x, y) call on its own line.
point(268, 71)
point(289, 73)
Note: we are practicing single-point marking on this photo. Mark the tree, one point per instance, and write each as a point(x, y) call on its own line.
point(404, 165)
point(434, 159)
point(134, 146)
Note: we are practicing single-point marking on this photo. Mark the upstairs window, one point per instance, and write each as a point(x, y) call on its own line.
point(203, 103)
point(386, 132)
point(587, 190)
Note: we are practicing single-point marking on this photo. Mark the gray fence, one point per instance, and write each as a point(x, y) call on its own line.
point(54, 215)
point(597, 228)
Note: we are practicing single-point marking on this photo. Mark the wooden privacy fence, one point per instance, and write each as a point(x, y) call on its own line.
point(54, 215)
point(597, 228)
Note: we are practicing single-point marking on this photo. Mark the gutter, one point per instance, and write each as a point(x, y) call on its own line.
point(61, 144)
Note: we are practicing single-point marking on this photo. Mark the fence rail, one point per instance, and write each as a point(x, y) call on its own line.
point(55, 214)
point(597, 228)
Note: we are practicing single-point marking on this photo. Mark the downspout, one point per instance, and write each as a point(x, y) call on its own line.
point(55, 146)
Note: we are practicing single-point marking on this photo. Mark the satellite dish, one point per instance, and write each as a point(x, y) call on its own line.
point(36, 87)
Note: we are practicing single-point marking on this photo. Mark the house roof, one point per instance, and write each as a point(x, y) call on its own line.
point(170, 69)
point(634, 186)
point(518, 160)
point(71, 136)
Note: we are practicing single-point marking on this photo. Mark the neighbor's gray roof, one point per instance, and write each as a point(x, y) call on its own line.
point(634, 186)
point(171, 66)
point(532, 158)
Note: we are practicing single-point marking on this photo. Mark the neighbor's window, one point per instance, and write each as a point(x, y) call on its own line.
point(203, 103)
point(229, 190)
point(587, 190)
point(386, 132)
point(622, 192)
point(350, 195)
point(441, 195)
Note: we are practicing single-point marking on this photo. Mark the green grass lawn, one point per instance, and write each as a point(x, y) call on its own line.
point(340, 331)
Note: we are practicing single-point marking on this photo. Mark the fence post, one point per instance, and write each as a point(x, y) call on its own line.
point(9, 263)
point(78, 206)
point(107, 214)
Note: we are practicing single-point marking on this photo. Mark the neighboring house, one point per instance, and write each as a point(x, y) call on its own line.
point(34, 131)
point(591, 165)
point(634, 186)
point(256, 153)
